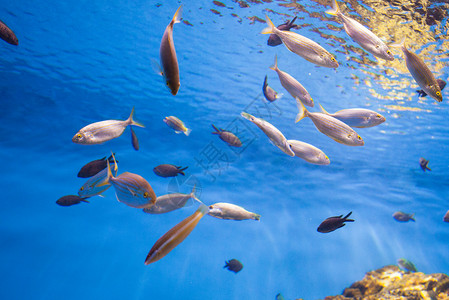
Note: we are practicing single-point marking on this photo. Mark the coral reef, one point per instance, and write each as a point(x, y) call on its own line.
point(390, 282)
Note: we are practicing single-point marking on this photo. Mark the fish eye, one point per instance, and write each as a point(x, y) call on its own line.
point(79, 135)
point(438, 93)
point(145, 195)
point(333, 59)
point(358, 137)
point(211, 207)
point(82, 188)
point(388, 52)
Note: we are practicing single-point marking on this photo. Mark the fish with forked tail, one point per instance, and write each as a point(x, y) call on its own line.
point(333, 223)
point(274, 40)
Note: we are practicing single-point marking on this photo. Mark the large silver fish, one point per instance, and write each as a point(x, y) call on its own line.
point(228, 211)
point(100, 132)
point(304, 47)
point(170, 202)
point(309, 153)
point(91, 188)
point(8, 35)
point(167, 52)
point(421, 73)
point(293, 87)
point(357, 117)
point(175, 236)
point(362, 35)
point(130, 189)
point(333, 128)
point(275, 136)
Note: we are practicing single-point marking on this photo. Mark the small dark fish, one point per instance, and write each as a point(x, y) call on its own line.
point(441, 83)
point(167, 170)
point(70, 200)
point(270, 94)
point(227, 136)
point(423, 163)
point(446, 217)
point(279, 297)
point(333, 223)
point(233, 265)
point(134, 140)
point(94, 167)
point(7, 34)
point(403, 217)
point(274, 40)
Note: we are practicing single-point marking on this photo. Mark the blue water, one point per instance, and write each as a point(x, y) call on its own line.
point(80, 62)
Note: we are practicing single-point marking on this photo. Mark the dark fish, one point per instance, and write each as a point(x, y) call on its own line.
point(403, 217)
point(270, 94)
point(441, 83)
point(7, 34)
point(134, 140)
point(233, 265)
point(170, 68)
point(423, 163)
point(167, 170)
point(446, 217)
point(94, 167)
point(279, 297)
point(70, 200)
point(227, 136)
point(274, 40)
point(333, 223)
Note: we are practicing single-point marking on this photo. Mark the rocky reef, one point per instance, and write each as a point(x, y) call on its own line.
point(390, 282)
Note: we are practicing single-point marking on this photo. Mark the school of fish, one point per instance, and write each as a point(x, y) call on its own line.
point(135, 191)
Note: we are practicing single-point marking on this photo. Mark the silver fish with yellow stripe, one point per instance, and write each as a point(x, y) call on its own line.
point(309, 153)
point(293, 87)
point(176, 124)
point(304, 47)
point(362, 35)
point(228, 211)
point(167, 52)
point(175, 236)
point(275, 136)
point(91, 188)
point(130, 189)
point(170, 202)
point(100, 132)
point(333, 128)
point(421, 73)
point(357, 117)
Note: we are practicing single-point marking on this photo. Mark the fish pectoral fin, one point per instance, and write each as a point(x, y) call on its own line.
point(156, 67)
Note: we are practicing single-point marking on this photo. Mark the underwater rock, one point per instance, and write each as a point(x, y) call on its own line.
point(390, 282)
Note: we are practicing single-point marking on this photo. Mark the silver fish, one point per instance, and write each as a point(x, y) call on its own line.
point(8, 35)
point(274, 40)
point(130, 189)
point(168, 57)
point(357, 117)
point(100, 132)
point(309, 153)
point(176, 124)
point(293, 87)
point(91, 188)
point(362, 35)
point(175, 236)
point(333, 128)
point(270, 94)
point(275, 136)
point(304, 47)
point(230, 211)
point(421, 73)
point(170, 202)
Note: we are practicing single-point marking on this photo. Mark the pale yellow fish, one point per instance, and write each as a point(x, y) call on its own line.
point(175, 236)
point(176, 124)
point(304, 47)
point(357, 117)
point(333, 128)
point(309, 153)
point(230, 211)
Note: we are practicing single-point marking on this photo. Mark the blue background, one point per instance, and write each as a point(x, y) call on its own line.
point(80, 62)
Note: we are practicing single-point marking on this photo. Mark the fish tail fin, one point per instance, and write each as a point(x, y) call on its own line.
point(217, 131)
point(270, 28)
point(188, 131)
point(292, 21)
point(105, 181)
point(111, 158)
point(193, 195)
point(412, 217)
point(347, 216)
point(275, 66)
point(323, 110)
point(265, 81)
point(256, 217)
point(132, 122)
point(84, 200)
point(302, 111)
point(334, 10)
point(427, 168)
point(401, 44)
point(177, 16)
point(203, 209)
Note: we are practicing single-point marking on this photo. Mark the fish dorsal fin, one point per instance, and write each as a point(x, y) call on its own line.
point(323, 110)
